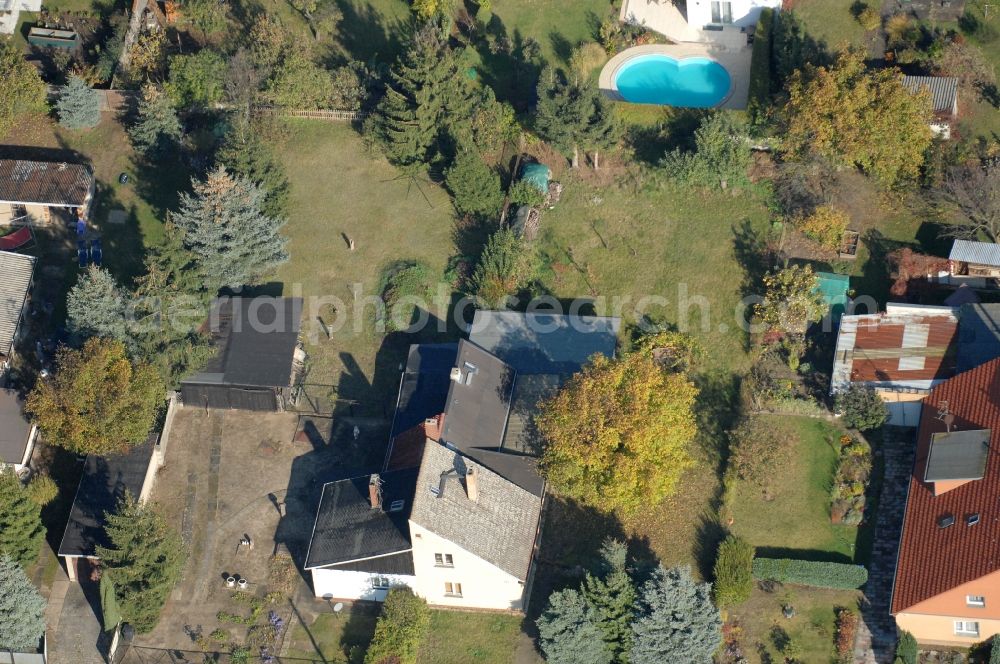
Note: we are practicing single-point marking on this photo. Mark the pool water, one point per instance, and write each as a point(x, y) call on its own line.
point(660, 79)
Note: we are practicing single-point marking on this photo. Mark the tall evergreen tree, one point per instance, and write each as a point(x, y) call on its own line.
point(22, 609)
point(506, 266)
point(78, 106)
point(21, 529)
point(677, 620)
point(156, 130)
point(572, 114)
point(568, 631)
point(96, 307)
point(611, 594)
point(144, 560)
point(475, 186)
point(245, 152)
point(427, 96)
point(235, 243)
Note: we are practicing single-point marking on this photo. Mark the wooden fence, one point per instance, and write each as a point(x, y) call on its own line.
point(331, 115)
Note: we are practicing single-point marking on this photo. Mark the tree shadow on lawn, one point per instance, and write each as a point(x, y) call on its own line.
point(369, 36)
point(511, 64)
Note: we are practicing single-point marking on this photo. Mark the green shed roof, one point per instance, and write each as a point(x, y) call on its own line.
point(538, 175)
point(834, 289)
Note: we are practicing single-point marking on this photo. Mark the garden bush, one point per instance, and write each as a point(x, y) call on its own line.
point(826, 225)
point(400, 630)
point(403, 283)
point(869, 18)
point(862, 408)
point(850, 482)
point(733, 572)
point(760, 67)
point(906, 650)
point(840, 576)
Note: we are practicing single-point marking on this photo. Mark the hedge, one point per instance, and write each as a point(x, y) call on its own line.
point(810, 573)
point(760, 66)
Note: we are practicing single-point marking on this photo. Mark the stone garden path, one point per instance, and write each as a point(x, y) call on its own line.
point(876, 640)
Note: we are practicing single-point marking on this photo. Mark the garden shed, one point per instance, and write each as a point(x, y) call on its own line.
point(257, 360)
point(834, 288)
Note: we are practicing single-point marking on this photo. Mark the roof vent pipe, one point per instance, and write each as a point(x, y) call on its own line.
point(472, 483)
point(375, 491)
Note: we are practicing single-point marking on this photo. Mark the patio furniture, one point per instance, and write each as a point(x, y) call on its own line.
point(82, 255)
point(96, 253)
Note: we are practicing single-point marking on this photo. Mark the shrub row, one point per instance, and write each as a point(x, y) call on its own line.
point(760, 66)
point(810, 573)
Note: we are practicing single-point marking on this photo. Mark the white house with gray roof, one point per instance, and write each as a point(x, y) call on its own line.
point(455, 513)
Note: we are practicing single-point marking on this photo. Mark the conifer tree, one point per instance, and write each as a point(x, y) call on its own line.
point(572, 114)
point(677, 620)
point(245, 152)
point(568, 631)
point(96, 307)
point(143, 561)
point(505, 267)
point(234, 242)
point(474, 185)
point(21, 529)
point(611, 594)
point(427, 96)
point(79, 106)
point(156, 130)
point(22, 609)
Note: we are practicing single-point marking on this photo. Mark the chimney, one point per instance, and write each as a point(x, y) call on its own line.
point(375, 491)
point(472, 483)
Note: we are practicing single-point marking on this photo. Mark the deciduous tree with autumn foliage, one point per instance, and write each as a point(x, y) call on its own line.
point(857, 116)
point(617, 435)
point(98, 402)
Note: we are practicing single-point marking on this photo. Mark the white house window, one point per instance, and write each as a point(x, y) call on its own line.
point(975, 600)
point(966, 628)
point(722, 12)
point(380, 582)
point(443, 560)
point(455, 589)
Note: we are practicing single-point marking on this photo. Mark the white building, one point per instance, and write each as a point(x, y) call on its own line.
point(707, 14)
point(16, 272)
point(455, 514)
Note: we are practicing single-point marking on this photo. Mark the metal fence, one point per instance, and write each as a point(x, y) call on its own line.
point(143, 655)
point(332, 115)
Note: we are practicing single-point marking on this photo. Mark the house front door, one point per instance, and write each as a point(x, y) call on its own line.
point(722, 12)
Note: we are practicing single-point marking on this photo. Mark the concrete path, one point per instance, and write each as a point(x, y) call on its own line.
point(876, 640)
point(73, 627)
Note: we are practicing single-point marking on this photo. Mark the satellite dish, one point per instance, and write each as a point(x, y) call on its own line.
point(338, 607)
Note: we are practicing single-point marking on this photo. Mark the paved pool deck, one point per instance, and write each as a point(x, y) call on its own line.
point(736, 60)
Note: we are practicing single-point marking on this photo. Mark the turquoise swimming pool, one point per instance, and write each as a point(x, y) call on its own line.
point(660, 79)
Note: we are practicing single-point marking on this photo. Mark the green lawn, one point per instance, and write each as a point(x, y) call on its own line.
point(338, 188)
point(454, 637)
point(762, 625)
point(831, 21)
point(636, 242)
point(796, 522)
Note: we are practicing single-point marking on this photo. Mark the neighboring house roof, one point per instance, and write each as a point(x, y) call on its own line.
point(944, 90)
point(347, 529)
point(478, 399)
point(104, 482)
point(980, 253)
point(44, 182)
point(255, 341)
point(933, 560)
point(522, 435)
point(423, 388)
point(15, 429)
point(500, 527)
point(15, 282)
point(535, 343)
point(978, 335)
point(905, 347)
point(961, 296)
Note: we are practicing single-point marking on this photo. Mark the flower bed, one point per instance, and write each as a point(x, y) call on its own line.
point(854, 469)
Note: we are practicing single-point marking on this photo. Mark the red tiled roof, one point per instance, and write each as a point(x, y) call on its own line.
point(933, 560)
point(874, 359)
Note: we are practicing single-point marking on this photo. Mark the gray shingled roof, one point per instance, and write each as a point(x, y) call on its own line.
point(522, 436)
point(44, 182)
point(535, 343)
point(478, 402)
point(500, 528)
point(944, 90)
point(978, 335)
point(15, 280)
point(15, 429)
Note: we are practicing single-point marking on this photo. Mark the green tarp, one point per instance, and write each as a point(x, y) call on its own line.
point(834, 288)
point(538, 175)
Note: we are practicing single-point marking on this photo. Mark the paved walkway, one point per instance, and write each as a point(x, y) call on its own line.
point(73, 626)
point(876, 641)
